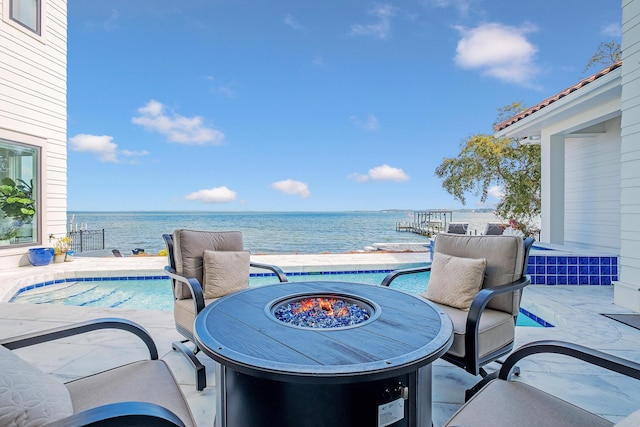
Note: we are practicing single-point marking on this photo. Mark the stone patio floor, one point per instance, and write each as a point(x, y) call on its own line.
point(574, 310)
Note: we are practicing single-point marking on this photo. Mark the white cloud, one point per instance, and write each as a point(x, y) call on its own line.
point(381, 173)
point(213, 195)
point(381, 28)
point(129, 153)
point(612, 30)
point(358, 177)
point(177, 128)
point(102, 145)
point(501, 51)
point(496, 192)
point(461, 5)
point(370, 123)
point(294, 188)
point(292, 22)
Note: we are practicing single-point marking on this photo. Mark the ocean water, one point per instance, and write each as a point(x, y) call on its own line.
point(263, 232)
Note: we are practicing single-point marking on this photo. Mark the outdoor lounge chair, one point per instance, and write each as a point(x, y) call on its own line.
point(526, 406)
point(457, 227)
point(478, 282)
point(142, 393)
point(493, 229)
point(188, 267)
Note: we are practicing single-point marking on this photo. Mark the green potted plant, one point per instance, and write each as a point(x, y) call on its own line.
point(16, 201)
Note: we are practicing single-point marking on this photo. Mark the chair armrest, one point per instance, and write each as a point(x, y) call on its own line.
point(589, 355)
point(194, 287)
point(483, 297)
point(137, 414)
point(275, 269)
point(478, 305)
point(397, 273)
point(80, 328)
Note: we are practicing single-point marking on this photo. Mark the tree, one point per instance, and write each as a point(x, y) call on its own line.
point(485, 161)
point(608, 53)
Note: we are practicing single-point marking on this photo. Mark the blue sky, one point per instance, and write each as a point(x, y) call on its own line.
point(231, 105)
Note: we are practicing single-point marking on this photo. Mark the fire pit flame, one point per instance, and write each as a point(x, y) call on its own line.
point(321, 312)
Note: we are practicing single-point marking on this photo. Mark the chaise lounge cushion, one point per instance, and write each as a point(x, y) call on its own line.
point(189, 247)
point(455, 281)
point(28, 396)
point(522, 406)
point(143, 381)
point(225, 272)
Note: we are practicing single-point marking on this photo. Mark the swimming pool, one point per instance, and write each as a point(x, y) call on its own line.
point(154, 292)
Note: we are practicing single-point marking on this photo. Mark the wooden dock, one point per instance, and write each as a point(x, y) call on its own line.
point(427, 223)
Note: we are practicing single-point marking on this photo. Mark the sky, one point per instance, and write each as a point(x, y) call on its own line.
point(289, 105)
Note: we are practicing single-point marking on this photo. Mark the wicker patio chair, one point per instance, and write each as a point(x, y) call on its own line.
point(526, 406)
point(142, 393)
point(191, 253)
point(478, 282)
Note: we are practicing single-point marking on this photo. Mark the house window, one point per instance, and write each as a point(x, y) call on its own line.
point(26, 13)
point(18, 193)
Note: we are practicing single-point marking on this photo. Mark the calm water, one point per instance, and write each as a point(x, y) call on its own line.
point(264, 232)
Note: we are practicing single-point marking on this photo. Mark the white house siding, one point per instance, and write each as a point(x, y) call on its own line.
point(627, 290)
point(33, 108)
point(592, 190)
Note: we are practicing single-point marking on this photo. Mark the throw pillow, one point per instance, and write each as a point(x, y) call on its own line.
point(28, 396)
point(455, 281)
point(225, 272)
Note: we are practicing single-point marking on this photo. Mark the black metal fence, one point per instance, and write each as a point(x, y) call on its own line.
point(87, 240)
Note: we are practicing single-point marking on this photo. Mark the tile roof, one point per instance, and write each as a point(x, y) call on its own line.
point(556, 97)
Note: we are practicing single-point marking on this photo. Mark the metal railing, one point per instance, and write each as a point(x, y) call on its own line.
point(87, 240)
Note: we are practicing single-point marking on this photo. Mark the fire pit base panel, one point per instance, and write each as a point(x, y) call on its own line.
point(398, 401)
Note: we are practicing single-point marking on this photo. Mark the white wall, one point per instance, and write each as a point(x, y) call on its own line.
point(33, 108)
point(627, 290)
point(592, 190)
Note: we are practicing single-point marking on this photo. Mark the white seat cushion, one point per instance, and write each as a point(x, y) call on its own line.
point(28, 396)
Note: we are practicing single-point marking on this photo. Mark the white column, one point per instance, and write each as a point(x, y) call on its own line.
point(552, 187)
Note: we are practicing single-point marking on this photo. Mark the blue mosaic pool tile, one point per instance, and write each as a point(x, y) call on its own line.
point(594, 269)
point(572, 269)
point(572, 260)
point(562, 269)
point(551, 270)
point(540, 269)
point(594, 280)
point(606, 280)
point(562, 280)
point(605, 260)
point(531, 269)
point(583, 280)
point(551, 260)
point(562, 260)
point(551, 280)
point(583, 269)
point(594, 260)
point(572, 280)
point(605, 270)
point(583, 260)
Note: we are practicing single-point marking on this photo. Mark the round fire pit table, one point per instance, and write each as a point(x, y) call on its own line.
point(374, 373)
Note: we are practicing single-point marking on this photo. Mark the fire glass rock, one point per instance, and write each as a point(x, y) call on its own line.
point(321, 312)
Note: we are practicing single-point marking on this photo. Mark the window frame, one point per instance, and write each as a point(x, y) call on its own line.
point(38, 29)
point(37, 192)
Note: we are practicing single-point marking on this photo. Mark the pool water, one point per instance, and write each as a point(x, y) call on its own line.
point(155, 294)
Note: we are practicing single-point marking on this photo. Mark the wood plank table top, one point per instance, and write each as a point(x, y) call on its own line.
point(239, 332)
